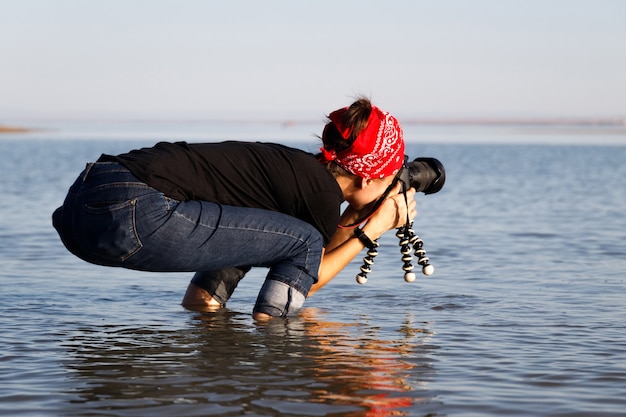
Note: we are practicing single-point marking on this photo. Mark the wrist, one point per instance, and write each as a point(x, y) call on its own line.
point(364, 238)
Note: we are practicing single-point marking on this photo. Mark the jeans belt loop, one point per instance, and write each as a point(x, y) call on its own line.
point(87, 169)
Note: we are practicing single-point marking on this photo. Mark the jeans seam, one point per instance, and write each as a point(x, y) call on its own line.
point(249, 229)
point(134, 228)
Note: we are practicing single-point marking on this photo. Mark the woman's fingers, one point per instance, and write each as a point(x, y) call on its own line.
point(395, 210)
point(402, 207)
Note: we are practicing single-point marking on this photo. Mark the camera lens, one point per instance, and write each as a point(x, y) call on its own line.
point(426, 175)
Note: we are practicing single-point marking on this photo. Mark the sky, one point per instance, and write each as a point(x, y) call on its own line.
point(297, 59)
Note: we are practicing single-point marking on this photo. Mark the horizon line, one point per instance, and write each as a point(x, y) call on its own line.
point(290, 122)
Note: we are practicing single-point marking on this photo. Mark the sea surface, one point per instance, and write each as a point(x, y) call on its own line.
point(525, 314)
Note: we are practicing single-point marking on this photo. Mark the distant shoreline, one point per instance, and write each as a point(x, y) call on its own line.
point(612, 123)
point(14, 129)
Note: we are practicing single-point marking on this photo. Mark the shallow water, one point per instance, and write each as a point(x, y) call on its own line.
point(524, 315)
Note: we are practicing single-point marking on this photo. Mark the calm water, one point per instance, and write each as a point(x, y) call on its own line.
point(524, 316)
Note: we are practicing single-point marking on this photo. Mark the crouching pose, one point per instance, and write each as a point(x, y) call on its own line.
point(219, 209)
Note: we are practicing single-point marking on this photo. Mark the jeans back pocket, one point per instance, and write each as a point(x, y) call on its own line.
point(109, 232)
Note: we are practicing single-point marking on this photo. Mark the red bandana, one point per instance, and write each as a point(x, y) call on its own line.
point(378, 150)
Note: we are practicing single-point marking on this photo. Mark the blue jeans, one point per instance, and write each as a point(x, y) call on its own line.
point(111, 218)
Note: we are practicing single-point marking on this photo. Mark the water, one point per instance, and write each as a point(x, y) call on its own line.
point(524, 315)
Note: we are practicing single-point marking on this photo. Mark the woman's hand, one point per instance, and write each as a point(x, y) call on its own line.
point(343, 247)
point(392, 213)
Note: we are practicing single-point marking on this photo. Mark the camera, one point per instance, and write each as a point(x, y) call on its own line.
point(426, 175)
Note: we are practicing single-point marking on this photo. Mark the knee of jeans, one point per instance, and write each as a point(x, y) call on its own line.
point(307, 259)
point(316, 243)
point(278, 299)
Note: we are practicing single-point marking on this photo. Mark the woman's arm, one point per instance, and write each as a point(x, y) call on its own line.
point(344, 246)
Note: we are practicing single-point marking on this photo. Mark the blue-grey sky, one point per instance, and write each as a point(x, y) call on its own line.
point(301, 59)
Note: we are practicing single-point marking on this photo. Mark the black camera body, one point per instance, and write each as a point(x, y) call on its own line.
point(426, 175)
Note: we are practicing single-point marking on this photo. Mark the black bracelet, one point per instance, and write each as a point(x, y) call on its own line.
point(360, 234)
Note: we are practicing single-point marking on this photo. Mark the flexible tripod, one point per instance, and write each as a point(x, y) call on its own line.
point(409, 241)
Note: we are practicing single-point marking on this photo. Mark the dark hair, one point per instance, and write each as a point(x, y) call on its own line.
point(354, 119)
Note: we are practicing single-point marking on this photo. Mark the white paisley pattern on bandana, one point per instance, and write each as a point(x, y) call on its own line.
point(378, 151)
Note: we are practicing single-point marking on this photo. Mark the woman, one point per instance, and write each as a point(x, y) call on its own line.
point(221, 208)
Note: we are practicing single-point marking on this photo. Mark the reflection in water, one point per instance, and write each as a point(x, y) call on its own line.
point(225, 364)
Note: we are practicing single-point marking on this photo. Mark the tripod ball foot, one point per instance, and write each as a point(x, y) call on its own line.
point(428, 269)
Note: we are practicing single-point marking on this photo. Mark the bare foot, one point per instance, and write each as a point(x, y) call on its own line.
point(262, 317)
point(198, 299)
